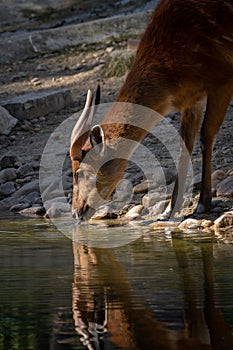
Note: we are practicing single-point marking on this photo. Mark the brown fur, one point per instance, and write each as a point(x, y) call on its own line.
point(185, 57)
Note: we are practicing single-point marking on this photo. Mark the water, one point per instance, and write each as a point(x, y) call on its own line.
point(157, 292)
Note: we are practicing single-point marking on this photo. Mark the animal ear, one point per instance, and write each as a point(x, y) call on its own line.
point(97, 138)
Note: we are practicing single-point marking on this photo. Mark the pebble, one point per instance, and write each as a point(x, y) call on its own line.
point(35, 81)
point(109, 49)
point(8, 161)
point(42, 67)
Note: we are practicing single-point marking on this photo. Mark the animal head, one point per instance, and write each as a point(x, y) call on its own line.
point(96, 168)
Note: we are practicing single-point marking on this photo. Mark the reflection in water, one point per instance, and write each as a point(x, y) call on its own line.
point(155, 293)
point(107, 315)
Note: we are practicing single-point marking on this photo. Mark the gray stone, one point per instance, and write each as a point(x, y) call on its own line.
point(33, 197)
point(34, 105)
point(151, 198)
point(24, 170)
point(8, 161)
point(141, 188)
point(7, 122)
point(159, 207)
point(32, 186)
point(38, 210)
point(57, 209)
point(225, 187)
point(19, 206)
point(7, 189)
point(196, 181)
point(35, 165)
point(7, 174)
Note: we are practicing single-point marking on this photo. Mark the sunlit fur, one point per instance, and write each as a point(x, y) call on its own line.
point(184, 62)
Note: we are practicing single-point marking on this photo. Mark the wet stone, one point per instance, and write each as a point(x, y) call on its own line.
point(19, 206)
point(38, 210)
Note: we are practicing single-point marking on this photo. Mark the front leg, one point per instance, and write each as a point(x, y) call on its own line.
point(190, 123)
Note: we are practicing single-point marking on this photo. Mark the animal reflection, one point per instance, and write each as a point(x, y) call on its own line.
point(106, 315)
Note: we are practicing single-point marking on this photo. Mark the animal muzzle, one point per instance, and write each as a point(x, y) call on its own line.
point(83, 213)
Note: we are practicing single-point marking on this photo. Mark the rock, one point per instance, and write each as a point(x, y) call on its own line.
point(8, 161)
point(170, 175)
point(34, 105)
point(35, 165)
point(141, 188)
point(19, 206)
point(24, 170)
point(224, 220)
point(38, 210)
point(33, 186)
point(159, 207)
point(7, 189)
point(196, 181)
point(160, 225)
point(131, 217)
point(57, 209)
point(7, 174)
point(216, 177)
point(33, 197)
point(67, 182)
point(152, 198)
point(7, 122)
point(194, 224)
point(225, 187)
point(24, 180)
point(137, 209)
point(104, 212)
